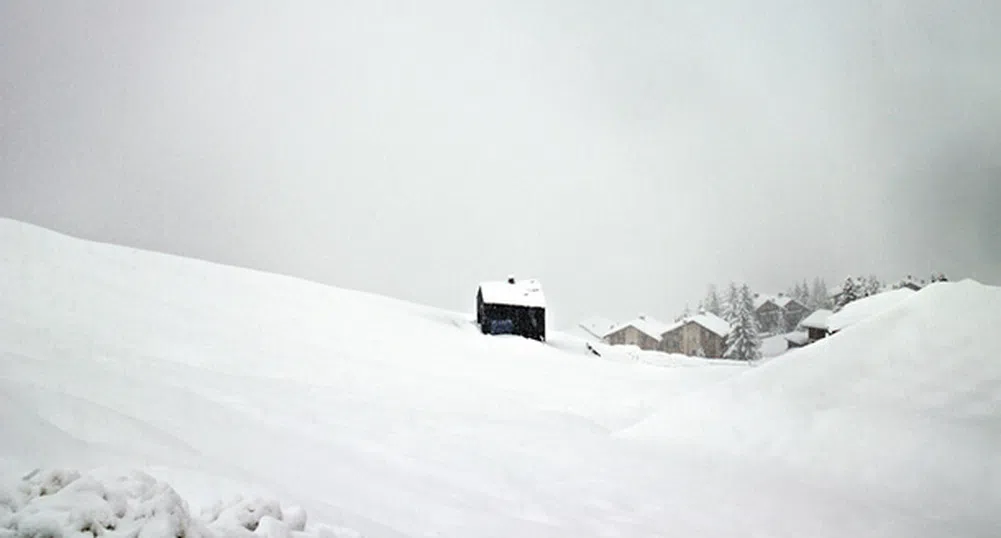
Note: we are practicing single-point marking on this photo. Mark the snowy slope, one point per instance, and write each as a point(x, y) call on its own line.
point(400, 420)
point(866, 307)
point(905, 405)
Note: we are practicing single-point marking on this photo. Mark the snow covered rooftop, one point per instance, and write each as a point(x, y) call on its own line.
point(784, 300)
point(597, 326)
point(780, 300)
point(816, 320)
point(514, 292)
point(711, 322)
point(644, 324)
point(798, 338)
point(867, 307)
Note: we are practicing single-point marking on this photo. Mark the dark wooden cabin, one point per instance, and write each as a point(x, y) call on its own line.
point(512, 306)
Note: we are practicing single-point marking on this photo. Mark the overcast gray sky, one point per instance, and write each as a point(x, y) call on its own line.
point(626, 153)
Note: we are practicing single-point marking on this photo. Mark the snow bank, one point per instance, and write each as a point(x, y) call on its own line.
point(65, 503)
point(906, 405)
point(867, 307)
point(399, 420)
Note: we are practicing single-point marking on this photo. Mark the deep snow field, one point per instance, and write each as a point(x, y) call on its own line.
point(149, 395)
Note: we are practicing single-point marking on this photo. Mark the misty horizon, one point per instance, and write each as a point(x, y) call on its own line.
point(626, 156)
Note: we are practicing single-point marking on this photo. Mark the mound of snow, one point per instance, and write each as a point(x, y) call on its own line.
point(67, 503)
point(866, 307)
point(907, 404)
point(400, 420)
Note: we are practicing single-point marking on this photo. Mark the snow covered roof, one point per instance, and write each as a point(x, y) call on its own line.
point(712, 322)
point(798, 338)
point(644, 324)
point(514, 292)
point(781, 300)
point(784, 300)
point(816, 320)
point(867, 307)
point(597, 326)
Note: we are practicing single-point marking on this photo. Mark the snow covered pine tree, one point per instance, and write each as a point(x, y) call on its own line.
point(849, 292)
point(712, 302)
point(743, 343)
point(732, 304)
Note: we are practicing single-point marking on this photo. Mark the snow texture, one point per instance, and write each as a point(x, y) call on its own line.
point(520, 293)
point(867, 307)
point(905, 407)
point(63, 503)
point(232, 389)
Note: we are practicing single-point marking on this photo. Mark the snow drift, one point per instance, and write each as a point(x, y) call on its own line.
point(396, 420)
point(906, 404)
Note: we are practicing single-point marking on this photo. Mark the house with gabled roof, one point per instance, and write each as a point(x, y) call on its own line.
point(701, 335)
point(643, 332)
point(594, 328)
point(775, 313)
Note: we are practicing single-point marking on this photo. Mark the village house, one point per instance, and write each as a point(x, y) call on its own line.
point(701, 335)
point(512, 307)
point(767, 313)
point(643, 332)
point(776, 314)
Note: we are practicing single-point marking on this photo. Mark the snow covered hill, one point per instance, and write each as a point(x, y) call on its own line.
point(906, 404)
point(394, 419)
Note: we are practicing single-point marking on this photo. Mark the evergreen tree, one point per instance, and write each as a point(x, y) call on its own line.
point(795, 292)
point(743, 342)
point(850, 291)
point(686, 313)
point(804, 293)
point(712, 303)
point(732, 303)
point(818, 295)
point(873, 286)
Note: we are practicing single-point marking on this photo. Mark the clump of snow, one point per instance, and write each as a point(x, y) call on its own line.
point(773, 346)
point(64, 503)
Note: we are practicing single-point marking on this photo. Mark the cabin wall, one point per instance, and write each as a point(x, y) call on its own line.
point(523, 321)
